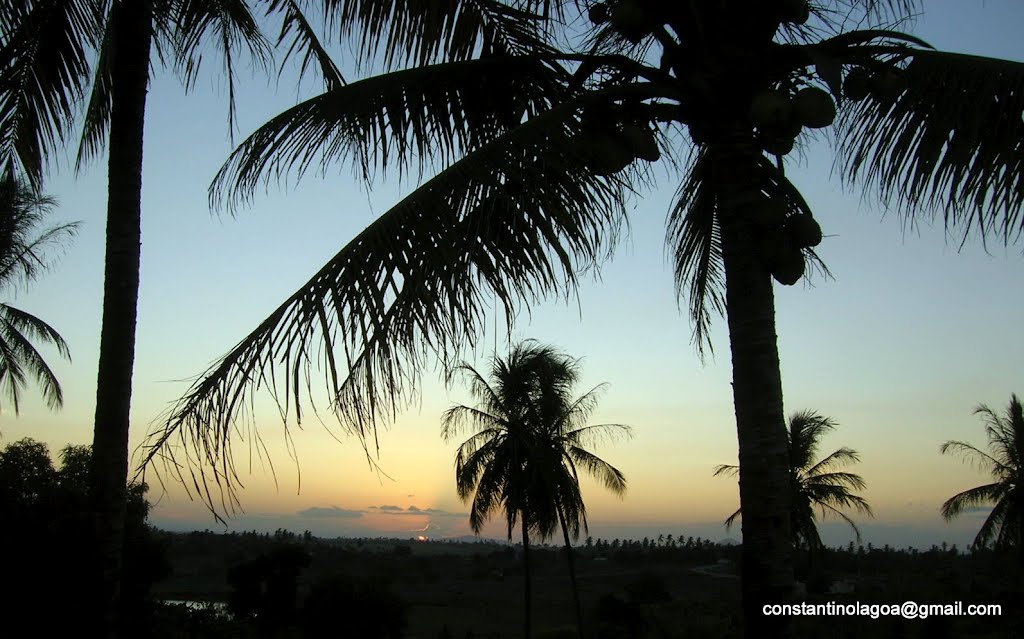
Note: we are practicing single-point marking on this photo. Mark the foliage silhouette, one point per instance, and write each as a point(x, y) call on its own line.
point(1004, 526)
point(53, 50)
point(22, 260)
point(363, 607)
point(528, 437)
point(536, 132)
point(815, 484)
point(48, 529)
point(266, 588)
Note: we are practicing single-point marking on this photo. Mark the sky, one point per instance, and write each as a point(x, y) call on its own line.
point(908, 338)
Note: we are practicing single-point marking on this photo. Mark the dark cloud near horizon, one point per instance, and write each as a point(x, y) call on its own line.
point(330, 511)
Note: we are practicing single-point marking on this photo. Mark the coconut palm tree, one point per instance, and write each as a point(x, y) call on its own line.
point(528, 438)
point(815, 484)
point(22, 260)
point(539, 137)
point(1004, 525)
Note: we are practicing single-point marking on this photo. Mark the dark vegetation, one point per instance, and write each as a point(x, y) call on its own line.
point(283, 584)
point(651, 588)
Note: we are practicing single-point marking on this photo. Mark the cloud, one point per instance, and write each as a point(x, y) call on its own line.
point(413, 510)
point(330, 511)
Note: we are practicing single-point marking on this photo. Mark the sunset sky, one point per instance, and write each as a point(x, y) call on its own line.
point(900, 347)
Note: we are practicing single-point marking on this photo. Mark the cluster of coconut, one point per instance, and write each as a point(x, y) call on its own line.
point(608, 147)
point(779, 116)
point(784, 239)
point(885, 86)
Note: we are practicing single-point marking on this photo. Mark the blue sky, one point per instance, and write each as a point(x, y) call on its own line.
point(910, 335)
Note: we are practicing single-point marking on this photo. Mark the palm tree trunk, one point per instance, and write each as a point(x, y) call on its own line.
point(572, 575)
point(766, 567)
point(130, 76)
point(527, 607)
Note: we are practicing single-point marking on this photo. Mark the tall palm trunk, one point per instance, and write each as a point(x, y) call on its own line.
point(527, 598)
point(130, 75)
point(766, 567)
point(572, 575)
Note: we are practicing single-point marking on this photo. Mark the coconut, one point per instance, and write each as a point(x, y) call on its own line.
point(888, 86)
point(814, 107)
point(857, 84)
point(606, 154)
point(630, 20)
point(804, 230)
point(642, 142)
point(789, 268)
point(771, 109)
point(777, 146)
point(598, 13)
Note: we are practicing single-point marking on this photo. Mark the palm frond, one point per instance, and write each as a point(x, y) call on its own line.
point(418, 32)
point(425, 114)
point(974, 497)
point(295, 27)
point(611, 477)
point(726, 469)
point(44, 72)
point(838, 457)
point(226, 25)
point(694, 244)
point(22, 251)
point(101, 99)
point(17, 331)
point(952, 141)
point(979, 458)
point(731, 519)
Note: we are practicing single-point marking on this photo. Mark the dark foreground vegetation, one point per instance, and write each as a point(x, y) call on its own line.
point(287, 585)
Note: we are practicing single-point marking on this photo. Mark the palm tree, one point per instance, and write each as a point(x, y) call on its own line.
point(815, 484)
point(52, 51)
point(539, 135)
point(1004, 526)
point(528, 440)
point(22, 260)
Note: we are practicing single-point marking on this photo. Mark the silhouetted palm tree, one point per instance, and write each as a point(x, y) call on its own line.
point(1004, 526)
point(528, 440)
point(22, 260)
point(815, 484)
point(538, 135)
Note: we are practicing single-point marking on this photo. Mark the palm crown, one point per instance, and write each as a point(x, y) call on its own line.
point(815, 484)
point(1004, 525)
point(529, 438)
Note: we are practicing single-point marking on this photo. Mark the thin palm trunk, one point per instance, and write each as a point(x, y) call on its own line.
point(766, 566)
point(527, 607)
point(120, 299)
point(572, 575)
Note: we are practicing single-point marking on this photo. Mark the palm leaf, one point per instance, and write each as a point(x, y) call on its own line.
point(978, 496)
point(951, 142)
point(17, 331)
point(304, 40)
point(418, 32)
point(226, 25)
point(44, 72)
point(433, 113)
